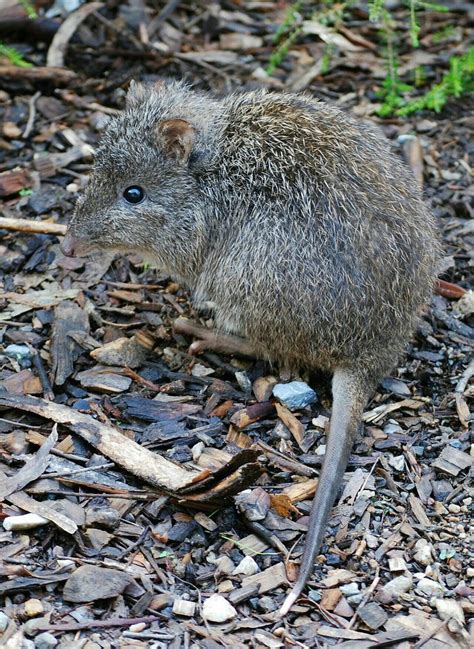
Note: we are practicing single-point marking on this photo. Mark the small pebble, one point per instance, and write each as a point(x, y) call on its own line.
point(197, 450)
point(218, 609)
point(23, 522)
point(45, 640)
point(453, 508)
point(21, 353)
point(11, 130)
point(425, 125)
point(266, 604)
point(137, 628)
point(225, 586)
point(349, 589)
point(32, 608)
point(423, 552)
point(294, 395)
point(248, 566)
point(314, 595)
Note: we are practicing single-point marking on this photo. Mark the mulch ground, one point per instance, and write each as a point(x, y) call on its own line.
point(96, 550)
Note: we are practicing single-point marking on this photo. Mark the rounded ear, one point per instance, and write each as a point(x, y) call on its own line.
point(176, 137)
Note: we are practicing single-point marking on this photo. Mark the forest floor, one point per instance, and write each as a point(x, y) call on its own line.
point(124, 547)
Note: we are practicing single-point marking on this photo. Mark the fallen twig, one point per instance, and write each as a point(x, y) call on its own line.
point(39, 73)
point(31, 114)
point(26, 225)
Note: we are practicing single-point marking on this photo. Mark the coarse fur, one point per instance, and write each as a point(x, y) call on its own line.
point(307, 233)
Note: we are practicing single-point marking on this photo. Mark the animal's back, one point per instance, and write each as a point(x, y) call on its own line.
point(327, 252)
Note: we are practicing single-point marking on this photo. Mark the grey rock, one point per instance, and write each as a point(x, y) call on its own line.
point(349, 589)
point(294, 395)
point(45, 641)
point(18, 352)
point(89, 583)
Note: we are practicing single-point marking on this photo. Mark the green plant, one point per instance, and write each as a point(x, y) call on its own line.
point(288, 21)
point(456, 82)
point(29, 8)
point(15, 57)
point(394, 92)
point(443, 34)
point(327, 57)
point(282, 50)
point(26, 191)
point(418, 76)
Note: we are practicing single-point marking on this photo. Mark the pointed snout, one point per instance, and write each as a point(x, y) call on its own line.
point(72, 246)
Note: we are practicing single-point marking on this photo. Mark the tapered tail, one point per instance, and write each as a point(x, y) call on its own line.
point(350, 393)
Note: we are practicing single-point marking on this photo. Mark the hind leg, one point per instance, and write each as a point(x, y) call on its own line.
point(211, 339)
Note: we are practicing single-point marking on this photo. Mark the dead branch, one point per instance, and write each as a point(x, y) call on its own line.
point(37, 74)
point(26, 225)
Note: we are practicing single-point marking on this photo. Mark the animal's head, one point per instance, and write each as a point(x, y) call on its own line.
point(142, 195)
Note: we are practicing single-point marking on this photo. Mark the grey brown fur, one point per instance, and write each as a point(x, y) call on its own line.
point(309, 236)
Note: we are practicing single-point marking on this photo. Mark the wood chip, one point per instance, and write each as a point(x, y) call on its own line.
point(292, 423)
point(268, 579)
point(452, 461)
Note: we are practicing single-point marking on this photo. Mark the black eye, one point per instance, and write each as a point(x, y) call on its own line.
point(134, 194)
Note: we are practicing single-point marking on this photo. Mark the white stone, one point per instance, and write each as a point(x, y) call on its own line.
point(218, 609)
point(23, 522)
point(248, 566)
point(197, 450)
point(423, 552)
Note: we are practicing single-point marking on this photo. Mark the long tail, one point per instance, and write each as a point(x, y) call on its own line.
point(350, 392)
